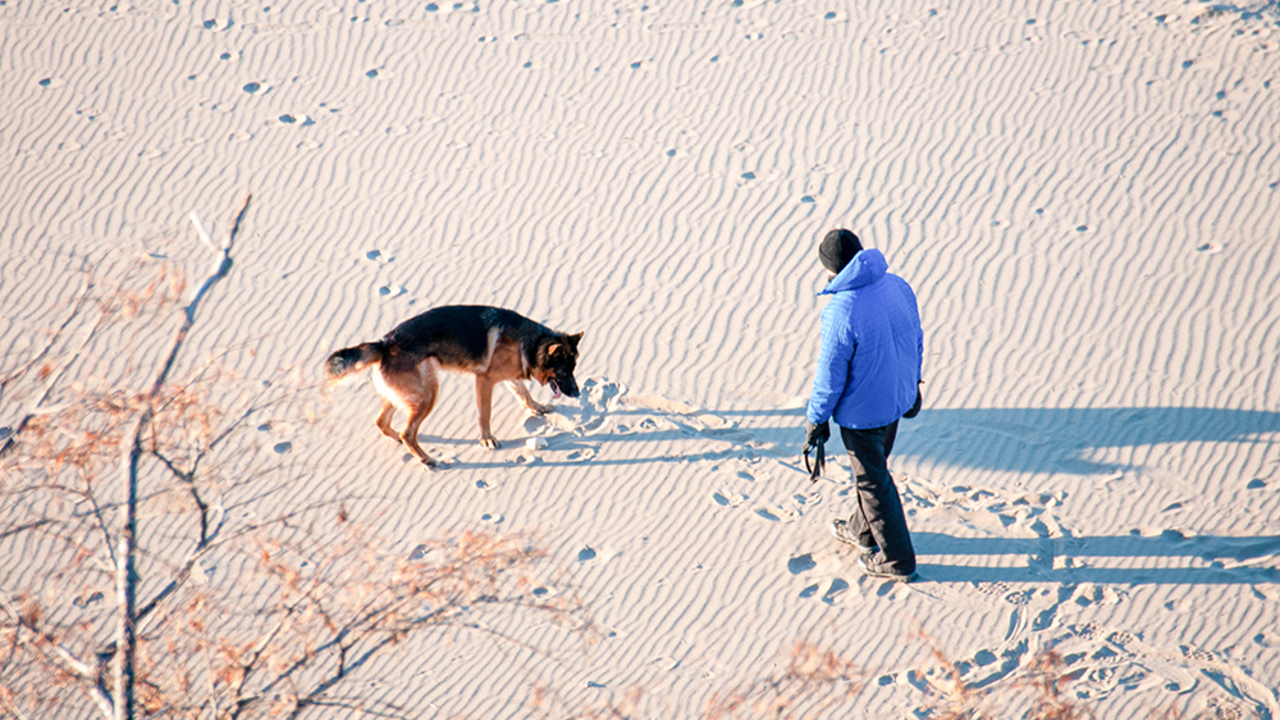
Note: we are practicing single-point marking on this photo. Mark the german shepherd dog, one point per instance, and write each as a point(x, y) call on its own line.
point(494, 344)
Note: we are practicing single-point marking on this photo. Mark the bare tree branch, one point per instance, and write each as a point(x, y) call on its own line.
point(126, 572)
point(49, 648)
point(354, 706)
point(53, 338)
point(56, 376)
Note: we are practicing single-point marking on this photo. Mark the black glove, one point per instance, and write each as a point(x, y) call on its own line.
point(915, 408)
point(816, 435)
point(815, 438)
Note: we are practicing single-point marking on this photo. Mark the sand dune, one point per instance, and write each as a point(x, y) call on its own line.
point(1083, 194)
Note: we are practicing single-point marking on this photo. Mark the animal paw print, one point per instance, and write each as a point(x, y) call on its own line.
point(1022, 597)
point(1085, 631)
point(1194, 653)
point(1120, 638)
point(1222, 709)
point(993, 588)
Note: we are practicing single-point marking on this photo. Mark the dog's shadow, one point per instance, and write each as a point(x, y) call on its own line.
point(1073, 441)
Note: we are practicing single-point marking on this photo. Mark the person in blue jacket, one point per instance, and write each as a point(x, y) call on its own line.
point(868, 377)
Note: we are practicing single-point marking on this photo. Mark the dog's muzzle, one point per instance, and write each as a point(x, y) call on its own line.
point(557, 391)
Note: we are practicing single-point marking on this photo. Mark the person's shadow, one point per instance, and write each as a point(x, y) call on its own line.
point(1038, 440)
point(1198, 559)
point(1068, 441)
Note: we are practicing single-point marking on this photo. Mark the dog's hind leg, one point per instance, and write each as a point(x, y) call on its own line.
point(521, 391)
point(420, 411)
point(384, 420)
point(413, 388)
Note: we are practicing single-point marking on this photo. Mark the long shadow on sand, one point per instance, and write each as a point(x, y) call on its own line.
point(1024, 440)
point(1168, 558)
point(1038, 440)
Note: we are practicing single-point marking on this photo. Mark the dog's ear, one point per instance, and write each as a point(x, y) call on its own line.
point(573, 341)
point(554, 349)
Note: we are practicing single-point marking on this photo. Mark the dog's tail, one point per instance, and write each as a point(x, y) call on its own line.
point(352, 360)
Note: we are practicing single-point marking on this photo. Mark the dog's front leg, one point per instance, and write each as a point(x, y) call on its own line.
point(521, 392)
point(484, 403)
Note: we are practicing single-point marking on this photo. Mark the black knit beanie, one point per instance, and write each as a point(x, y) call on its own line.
point(838, 248)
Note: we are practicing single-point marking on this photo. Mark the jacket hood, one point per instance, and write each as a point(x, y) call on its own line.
point(865, 268)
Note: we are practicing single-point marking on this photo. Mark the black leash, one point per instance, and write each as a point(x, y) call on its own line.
point(819, 461)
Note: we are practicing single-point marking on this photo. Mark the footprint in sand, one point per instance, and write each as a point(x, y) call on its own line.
point(728, 498)
point(801, 564)
point(298, 119)
point(1088, 594)
point(446, 8)
point(985, 508)
point(1022, 597)
point(1121, 638)
point(604, 395)
point(838, 586)
point(800, 500)
point(767, 515)
point(84, 602)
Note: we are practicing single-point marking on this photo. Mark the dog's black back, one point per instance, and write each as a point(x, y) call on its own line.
point(459, 334)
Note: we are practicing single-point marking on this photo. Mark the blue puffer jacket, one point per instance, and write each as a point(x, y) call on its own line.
point(872, 347)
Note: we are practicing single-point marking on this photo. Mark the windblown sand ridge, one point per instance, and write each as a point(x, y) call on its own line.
point(1083, 194)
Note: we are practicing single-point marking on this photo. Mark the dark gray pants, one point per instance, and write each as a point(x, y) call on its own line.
point(879, 519)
